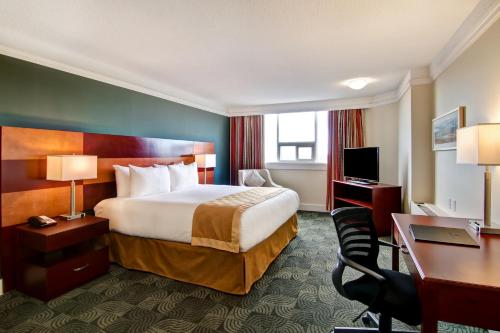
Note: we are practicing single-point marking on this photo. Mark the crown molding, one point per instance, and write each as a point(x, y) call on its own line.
point(330, 104)
point(127, 82)
point(404, 85)
point(479, 20)
point(414, 77)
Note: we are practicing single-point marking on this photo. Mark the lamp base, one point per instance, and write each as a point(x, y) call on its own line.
point(69, 217)
point(478, 227)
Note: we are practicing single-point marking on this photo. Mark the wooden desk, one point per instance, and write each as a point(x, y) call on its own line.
point(456, 284)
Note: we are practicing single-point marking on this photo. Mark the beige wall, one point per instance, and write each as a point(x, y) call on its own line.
point(416, 158)
point(404, 147)
point(309, 184)
point(422, 156)
point(473, 81)
point(381, 129)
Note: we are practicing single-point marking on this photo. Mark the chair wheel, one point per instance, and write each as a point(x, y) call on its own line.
point(368, 321)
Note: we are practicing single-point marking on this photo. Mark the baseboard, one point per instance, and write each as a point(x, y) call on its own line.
point(312, 207)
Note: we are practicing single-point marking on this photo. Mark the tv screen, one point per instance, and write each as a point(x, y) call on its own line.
point(361, 163)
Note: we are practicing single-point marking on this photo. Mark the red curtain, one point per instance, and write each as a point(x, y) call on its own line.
point(345, 130)
point(247, 140)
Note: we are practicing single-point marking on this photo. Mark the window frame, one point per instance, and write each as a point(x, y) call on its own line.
point(298, 144)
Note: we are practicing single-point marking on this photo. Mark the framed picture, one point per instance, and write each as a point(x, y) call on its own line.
point(444, 129)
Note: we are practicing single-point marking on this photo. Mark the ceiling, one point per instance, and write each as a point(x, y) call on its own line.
point(218, 54)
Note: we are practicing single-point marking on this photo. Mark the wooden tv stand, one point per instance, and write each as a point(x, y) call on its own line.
point(381, 199)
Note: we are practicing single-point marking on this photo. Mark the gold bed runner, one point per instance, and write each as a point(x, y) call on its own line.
point(216, 223)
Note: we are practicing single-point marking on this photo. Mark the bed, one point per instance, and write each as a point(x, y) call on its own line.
point(166, 249)
point(153, 233)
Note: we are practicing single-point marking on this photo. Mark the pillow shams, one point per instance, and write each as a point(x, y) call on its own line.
point(254, 179)
point(183, 176)
point(122, 177)
point(145, 181)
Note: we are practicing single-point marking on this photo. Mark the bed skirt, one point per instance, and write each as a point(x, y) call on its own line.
point(233, 273)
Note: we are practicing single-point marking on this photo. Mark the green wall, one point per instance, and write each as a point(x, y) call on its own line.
point(40, 97)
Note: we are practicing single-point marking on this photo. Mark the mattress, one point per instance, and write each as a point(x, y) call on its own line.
point(169, 216)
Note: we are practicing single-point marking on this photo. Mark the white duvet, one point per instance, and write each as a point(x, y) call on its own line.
point(169, 216)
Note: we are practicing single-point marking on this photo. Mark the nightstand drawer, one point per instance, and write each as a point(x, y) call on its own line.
point(46, 282)
point(65, 233)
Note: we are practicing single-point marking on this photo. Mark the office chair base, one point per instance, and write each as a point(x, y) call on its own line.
point(363, 330)
point(370, 319)
point(383, 324)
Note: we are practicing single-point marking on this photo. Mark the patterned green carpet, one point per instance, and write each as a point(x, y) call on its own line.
point(295, 295)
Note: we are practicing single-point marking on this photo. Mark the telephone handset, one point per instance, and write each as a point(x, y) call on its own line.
point(41, 221)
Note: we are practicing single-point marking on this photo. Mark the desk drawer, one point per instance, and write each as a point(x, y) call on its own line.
point(405, 255)
point(47, 282)
point(403, 252)
point(473, 306)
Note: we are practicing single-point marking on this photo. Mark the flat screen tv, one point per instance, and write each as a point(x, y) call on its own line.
point(361, 163)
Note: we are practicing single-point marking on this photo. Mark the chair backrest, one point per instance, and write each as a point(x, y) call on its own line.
point(357, 236)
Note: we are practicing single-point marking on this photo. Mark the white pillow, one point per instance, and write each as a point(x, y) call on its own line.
point(145, 181)
point(254, 179)
point(122, 177)
point(183, 176)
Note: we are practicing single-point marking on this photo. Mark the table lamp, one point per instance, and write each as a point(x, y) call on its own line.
point(71, 168)
point(205, 161)
point(480, 145)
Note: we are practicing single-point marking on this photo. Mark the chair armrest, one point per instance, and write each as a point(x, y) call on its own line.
point(384, 243)
point(267, 176)
point(359, 268)
point(382, 285)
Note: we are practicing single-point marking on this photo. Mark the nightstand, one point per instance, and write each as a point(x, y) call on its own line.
point(56, 259)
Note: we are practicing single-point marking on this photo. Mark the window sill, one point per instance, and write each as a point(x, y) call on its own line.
point(296, 166)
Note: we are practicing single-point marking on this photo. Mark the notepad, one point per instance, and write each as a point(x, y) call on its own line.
point(456, 236)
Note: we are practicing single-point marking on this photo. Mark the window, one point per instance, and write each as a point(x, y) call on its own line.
point(296, 137)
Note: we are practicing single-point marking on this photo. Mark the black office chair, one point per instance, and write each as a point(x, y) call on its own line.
point(390, 293)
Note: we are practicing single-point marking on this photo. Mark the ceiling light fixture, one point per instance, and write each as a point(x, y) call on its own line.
point(356, 84)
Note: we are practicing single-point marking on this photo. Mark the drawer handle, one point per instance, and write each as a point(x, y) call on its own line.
point(404, 249)
point(81, 268)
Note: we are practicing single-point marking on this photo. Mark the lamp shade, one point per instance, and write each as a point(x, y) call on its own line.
point(205, 160)
point(71, 167)
point(479, 144)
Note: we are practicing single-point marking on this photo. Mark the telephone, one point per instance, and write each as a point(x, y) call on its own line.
point(41, 221)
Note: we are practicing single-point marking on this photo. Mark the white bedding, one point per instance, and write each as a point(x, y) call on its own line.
point(169, 216)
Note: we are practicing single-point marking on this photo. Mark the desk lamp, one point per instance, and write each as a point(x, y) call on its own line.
point(480, 145)
point(71, 168)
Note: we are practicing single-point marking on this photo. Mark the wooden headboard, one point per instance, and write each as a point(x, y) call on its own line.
point(26, 192)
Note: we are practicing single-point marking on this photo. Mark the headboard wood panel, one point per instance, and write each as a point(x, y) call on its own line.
point(26, 192)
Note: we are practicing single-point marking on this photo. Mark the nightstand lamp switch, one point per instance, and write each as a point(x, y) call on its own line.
point(71, 168)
